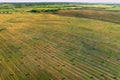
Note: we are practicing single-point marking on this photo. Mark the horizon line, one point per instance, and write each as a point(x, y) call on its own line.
point(61, 2)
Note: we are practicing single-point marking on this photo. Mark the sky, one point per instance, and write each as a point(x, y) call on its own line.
point(91, 1)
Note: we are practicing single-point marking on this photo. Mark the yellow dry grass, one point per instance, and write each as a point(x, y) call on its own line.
point(51, 47)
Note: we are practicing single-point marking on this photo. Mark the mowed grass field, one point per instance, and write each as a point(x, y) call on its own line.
point(45, 46)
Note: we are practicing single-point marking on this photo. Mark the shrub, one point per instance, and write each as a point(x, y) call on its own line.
point(34, 11)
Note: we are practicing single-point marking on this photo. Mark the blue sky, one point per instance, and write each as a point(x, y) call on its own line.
point(104, 1)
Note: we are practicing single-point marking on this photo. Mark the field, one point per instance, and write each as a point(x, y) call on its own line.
point(57, 46)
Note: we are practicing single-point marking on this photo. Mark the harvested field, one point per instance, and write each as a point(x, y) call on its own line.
point(52, 47)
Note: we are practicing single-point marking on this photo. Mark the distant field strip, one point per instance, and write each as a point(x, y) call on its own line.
point(108, 16)
point(51, 47)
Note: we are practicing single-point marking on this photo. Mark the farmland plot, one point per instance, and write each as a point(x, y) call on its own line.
point(51, 47)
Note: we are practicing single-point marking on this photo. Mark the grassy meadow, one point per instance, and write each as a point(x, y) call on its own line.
point(83, 45)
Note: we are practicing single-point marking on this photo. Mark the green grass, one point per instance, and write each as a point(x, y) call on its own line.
point(62, 6)
point(114, 8)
